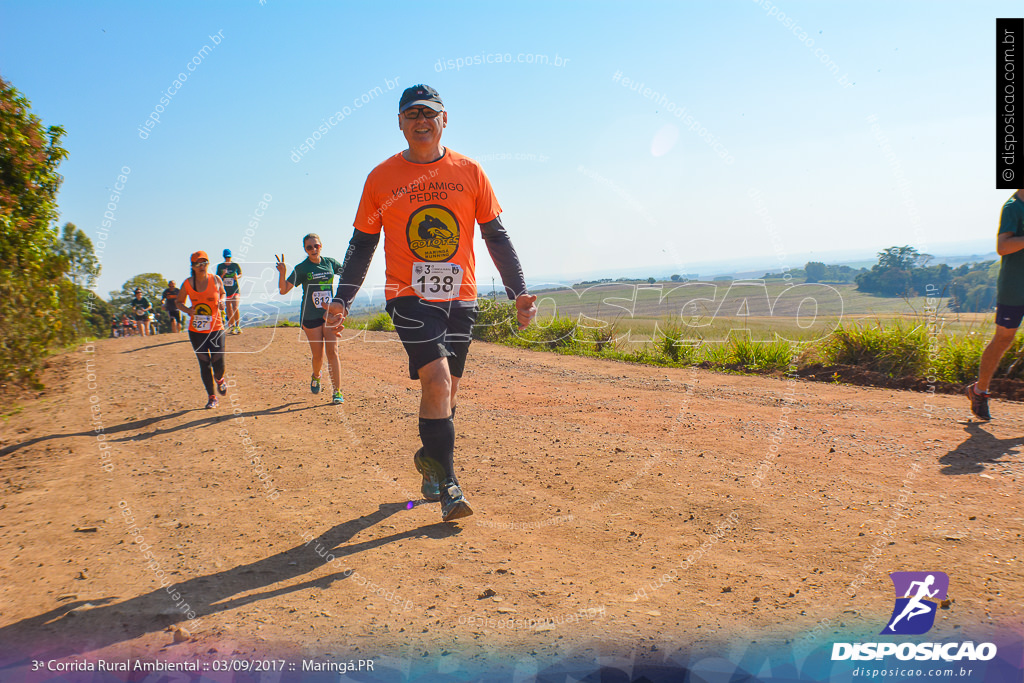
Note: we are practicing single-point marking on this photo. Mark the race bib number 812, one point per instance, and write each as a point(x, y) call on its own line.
point(437, 281)
point(321, 297)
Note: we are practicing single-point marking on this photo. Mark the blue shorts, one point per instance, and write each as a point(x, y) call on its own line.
point(1009, 316)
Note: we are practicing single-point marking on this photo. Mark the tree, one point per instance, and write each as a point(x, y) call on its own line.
point(974, 287)
point(900, 271)
point(815, 271)
point(903, 258)
point(651, 280)
point(677, 277)
point(152, 286)
point(34, 315)
point(97, 313)
point(76, 247)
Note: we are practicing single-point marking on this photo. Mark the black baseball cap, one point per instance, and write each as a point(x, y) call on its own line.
point(420, 95)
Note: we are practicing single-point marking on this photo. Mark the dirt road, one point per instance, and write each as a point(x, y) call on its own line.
point(619, 509)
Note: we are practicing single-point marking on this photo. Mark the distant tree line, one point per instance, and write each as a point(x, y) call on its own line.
point(815, 271)
point(904, 272)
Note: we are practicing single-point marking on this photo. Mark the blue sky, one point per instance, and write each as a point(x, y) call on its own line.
point(591, 174)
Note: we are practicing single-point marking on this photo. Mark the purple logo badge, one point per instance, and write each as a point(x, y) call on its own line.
point(917, 599)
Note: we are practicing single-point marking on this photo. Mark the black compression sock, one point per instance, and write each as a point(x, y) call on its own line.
point(438, 437)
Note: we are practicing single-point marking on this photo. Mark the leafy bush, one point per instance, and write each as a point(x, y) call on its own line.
point(380, 323)
point(602, 338)
point(495, 322)
point(752, 355)
point(678, 348)
point(559, 333)
point(897, 351)
point(34, 293)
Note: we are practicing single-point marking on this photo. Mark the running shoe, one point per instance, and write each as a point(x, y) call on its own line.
point(337, 398)
point(238, 329)
point(432, 476)
point(979, 403)
point(213, 402)
point(222, 386)
point(453, 504)
point(314, 384)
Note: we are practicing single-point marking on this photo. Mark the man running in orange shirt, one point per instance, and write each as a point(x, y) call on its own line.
point(427, 199)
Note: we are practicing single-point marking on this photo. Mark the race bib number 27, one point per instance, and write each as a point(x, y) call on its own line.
point(437, 281)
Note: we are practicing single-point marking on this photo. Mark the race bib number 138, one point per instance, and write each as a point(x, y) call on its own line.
point(437, 281)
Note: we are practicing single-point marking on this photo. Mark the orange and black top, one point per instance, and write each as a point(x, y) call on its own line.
point(206, 304)
point(427, 213)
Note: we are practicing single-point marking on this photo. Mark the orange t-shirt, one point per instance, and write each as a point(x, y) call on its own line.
point(428, 212)
point(206, 304)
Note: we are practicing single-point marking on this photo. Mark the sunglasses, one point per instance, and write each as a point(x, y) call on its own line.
point(201, 263)
point(313, 247)
point(414, 113)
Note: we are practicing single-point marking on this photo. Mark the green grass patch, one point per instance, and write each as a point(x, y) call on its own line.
point(380, 323)
point(898, 350)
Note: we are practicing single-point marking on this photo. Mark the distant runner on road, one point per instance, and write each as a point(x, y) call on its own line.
point(427, 200)
point(1009, 300)
point(205, 327)
point(316, 277)
point(140, 308)
point(169, 298)
point(229, 273)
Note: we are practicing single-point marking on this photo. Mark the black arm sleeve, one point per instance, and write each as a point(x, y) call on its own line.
point(357, 262)
point(504, 256)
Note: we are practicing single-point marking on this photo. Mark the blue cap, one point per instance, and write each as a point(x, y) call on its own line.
point(227, 253)
point(420, 95)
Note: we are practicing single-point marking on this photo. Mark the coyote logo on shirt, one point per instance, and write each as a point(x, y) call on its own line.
point(431, 228)
point(433, 233)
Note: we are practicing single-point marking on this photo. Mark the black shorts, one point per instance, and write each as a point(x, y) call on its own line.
point(175, 315)
point(141, 318)
point(432, 330)
point(313, 324)
point(207, 342)
point(1009, 316)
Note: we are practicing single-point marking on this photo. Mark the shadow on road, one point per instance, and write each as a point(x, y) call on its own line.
point(62, 632)
point(211, 419)
point(157, 346)
point(979, 448)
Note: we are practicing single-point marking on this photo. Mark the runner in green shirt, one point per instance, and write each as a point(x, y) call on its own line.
point(316, 277)
point(140, 308)
point(1009, 300)
point(229, 272)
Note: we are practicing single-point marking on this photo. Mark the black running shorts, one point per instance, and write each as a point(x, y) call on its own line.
point(432, 330)
point(207, 342)
point(1009, 316)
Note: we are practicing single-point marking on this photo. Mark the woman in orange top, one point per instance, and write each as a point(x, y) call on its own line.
point(205, 327)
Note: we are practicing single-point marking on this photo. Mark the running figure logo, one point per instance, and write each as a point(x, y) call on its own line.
point(917, 598)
